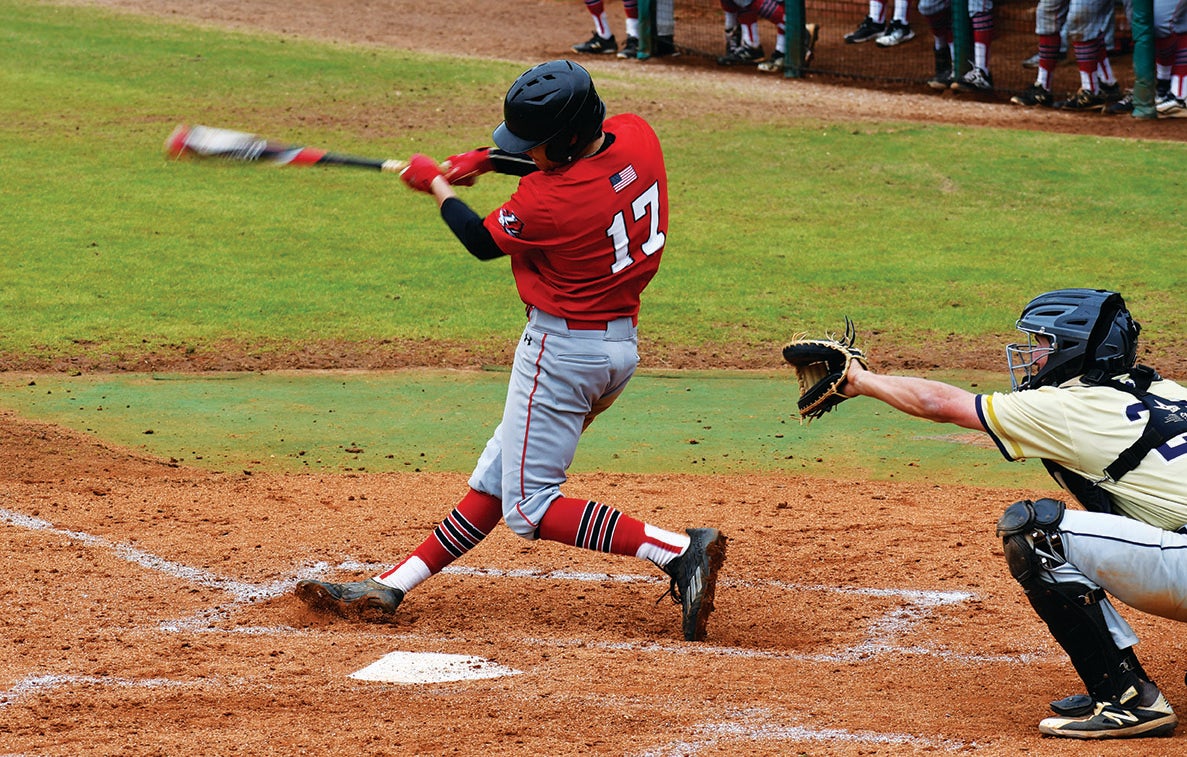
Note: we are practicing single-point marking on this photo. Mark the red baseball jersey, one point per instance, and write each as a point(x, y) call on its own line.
point(585, 239)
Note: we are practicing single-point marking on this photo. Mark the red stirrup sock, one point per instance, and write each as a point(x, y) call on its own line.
point(593, 525)
point(469, 523)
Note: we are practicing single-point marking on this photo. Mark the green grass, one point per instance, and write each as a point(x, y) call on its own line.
point(779, 224)
point(776, 225)
point(720, 422)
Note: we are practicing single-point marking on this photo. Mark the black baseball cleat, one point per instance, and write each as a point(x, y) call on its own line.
point(598, 46)
point(366, 600)
point(1112, 720)
point(1034, 95)
point(694, 579)
point(868, 29)
point(630, 49)
point(976, 80)
point(944, 74)
point(743, 55)
point(1083, 101)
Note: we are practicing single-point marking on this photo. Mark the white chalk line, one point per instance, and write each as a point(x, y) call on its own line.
point(745, 727)
point(918, 605)
point(881, 635)
point(32, 684)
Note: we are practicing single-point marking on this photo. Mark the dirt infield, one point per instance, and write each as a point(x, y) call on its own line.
point(149, 613)
point(149, 607)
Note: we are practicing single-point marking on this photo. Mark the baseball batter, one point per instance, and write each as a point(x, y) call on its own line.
point(1114, 435)
point(585, 232)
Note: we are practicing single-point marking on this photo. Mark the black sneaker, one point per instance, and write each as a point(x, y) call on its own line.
point(943, 78)
point(1111, 93)
point(694, 579)
point(367, 600)
point(1084, 101)
point(976, 80)
point(630, 49)
point(867, 30)
point(775, 63)
point(1034, 95)
point(1110, 720)
point(742, 55)
point(1122, 107)
point(598, 46)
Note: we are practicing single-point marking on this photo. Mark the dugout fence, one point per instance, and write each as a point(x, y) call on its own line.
point(697, 29)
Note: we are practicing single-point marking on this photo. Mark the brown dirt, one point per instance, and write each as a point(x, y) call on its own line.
point(148, 605)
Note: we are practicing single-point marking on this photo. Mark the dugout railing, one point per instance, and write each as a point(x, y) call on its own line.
point(697, 29)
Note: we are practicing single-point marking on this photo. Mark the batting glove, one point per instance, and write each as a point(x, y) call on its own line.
point(463, 170)
point(420, 173)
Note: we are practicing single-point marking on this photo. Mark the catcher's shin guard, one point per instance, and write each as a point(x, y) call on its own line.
point(1072, 611)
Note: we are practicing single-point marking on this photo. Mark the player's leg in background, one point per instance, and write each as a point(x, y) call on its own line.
point(602, 42)
point(938, 14)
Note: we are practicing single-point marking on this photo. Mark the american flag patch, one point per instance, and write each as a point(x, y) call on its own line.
point(623, 178)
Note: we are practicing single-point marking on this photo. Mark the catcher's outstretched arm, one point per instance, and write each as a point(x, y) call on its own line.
point(920, 397)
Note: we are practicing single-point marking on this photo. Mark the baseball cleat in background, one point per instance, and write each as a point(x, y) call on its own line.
point(897, 32)
point(366, 600)
point(868, 29)
point(598, 46)
point(694, 579)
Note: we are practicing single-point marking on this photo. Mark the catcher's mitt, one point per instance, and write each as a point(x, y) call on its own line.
point(822, 367)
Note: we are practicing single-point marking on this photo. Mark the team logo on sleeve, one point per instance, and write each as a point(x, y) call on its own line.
point(623, 178)
point(510, 223)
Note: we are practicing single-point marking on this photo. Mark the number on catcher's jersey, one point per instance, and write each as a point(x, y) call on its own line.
point(645, 208)
point(1169, 450)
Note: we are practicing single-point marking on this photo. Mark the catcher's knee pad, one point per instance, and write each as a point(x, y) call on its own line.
point(1030, 537)
point(1071, 610)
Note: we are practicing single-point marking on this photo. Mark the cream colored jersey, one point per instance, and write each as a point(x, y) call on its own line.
point(1084, 428)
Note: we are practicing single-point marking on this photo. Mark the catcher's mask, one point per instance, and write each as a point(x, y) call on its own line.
point(1085, 329)
point(553, 104)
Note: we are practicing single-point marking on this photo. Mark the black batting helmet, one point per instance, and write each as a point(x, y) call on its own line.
point(553, 104)
point(1088, 328)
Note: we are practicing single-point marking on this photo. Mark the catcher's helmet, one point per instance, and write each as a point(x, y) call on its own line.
point(553, 104)
point(1088, 328)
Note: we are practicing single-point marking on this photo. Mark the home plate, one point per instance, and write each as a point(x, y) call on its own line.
point(430, 667)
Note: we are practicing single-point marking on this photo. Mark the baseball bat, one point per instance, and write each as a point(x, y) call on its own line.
point(211, 142)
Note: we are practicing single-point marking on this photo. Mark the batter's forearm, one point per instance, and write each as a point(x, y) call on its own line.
point(467, 226)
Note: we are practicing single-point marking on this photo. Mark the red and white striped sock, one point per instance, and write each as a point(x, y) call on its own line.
point(593, 525)
point(1179, 69)
point(597, 9)
point(469, 523)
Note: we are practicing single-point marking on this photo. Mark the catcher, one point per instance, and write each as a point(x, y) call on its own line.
point(1113, 434)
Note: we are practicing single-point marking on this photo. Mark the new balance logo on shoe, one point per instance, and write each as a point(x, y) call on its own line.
point(1110, 720)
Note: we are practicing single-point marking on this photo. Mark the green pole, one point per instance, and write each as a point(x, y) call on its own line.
point(1144, 75)
point(962, 38)
point(646, 28)
point(793, 25)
